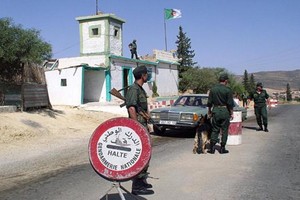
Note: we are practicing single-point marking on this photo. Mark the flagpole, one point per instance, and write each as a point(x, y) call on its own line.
point(165, 26)
point(96, 7)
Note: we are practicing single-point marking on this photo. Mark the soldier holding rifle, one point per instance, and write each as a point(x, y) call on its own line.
point(136, 103)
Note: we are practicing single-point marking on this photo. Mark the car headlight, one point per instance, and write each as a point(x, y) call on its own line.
point(155, 116)
point(189, 117)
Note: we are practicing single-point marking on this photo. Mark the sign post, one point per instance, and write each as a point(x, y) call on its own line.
point(119, 149)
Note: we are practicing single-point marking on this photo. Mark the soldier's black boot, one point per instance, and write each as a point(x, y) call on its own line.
point(266, 129)
point(223, 150)
point(260, 128)
point(212, 148)
point(146, 184)
point(138, 187)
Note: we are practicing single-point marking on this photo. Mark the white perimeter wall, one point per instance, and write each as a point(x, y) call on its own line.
point(116, 72)
point(94, 61)
point(165, 75)
point(117, 76)
point(65, 95)
point(167, 80)
point(94, 86)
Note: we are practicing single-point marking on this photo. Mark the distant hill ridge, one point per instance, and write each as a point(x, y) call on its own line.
point(277, 79)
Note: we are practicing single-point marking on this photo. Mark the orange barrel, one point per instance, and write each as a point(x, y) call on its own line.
point(235, 129)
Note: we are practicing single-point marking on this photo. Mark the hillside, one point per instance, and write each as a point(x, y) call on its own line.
point(277, 79)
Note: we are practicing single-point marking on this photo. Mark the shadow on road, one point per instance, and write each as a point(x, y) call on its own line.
point(126, 196)
point(176, 133)
point(250, 127)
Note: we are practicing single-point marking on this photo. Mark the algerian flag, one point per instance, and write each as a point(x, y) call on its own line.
point(172, 13)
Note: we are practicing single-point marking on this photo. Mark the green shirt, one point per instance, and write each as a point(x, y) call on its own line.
point(259, 98)
point(220, 95)
point(137, 97)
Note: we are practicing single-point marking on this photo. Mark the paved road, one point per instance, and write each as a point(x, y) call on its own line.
point(265, 166)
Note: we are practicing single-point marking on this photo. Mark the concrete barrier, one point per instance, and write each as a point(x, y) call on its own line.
point(235, 129)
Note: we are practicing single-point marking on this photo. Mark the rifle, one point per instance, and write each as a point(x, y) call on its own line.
point(117, 94)
point(140, 110)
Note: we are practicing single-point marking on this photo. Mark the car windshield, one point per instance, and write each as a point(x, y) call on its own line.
point(191, 101)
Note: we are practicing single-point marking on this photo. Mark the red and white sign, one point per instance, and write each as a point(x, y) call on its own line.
point(119, 149)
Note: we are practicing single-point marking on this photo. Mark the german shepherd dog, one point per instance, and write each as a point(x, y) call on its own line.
point(202, 137)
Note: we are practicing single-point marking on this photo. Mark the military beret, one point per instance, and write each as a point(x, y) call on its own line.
point(140, 70)
point(223, 77)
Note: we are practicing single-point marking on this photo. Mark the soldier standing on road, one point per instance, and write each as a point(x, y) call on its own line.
point(136, 99)
point(220, 108)
point(260, 98)
point(244, 98)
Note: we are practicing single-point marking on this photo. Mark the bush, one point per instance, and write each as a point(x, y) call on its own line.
point(154, 90)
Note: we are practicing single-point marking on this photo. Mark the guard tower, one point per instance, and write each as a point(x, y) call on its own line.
point(101, 34)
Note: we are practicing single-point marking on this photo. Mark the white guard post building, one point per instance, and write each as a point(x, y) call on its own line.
point(101, 66)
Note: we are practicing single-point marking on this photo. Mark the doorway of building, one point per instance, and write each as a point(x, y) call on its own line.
point(126, 81)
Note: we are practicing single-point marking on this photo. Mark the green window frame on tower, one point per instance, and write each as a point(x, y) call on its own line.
point(94, 31)
point(117, 32)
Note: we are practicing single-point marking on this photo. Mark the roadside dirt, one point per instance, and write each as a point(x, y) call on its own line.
point(38, 142)
point(42, 142)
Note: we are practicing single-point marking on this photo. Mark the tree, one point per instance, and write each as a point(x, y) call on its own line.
point(198, 80)
point(19, 47)
point(246, 81)
point(201, 80)
point(288, 93)
point(236, 87)
point(252, 84)
point(184, 52)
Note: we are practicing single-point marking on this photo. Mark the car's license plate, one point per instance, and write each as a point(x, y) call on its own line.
point(167, 122)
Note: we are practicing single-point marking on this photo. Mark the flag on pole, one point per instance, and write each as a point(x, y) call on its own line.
point(172, 13)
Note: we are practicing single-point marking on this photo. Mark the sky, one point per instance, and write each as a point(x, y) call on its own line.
point(239, 35)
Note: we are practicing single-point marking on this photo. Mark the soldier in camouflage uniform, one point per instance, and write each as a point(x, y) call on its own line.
point(220, 108)
point(136, 99)
point(260, 98)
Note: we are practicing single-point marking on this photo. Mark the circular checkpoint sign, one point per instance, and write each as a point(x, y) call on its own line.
point(119, 149)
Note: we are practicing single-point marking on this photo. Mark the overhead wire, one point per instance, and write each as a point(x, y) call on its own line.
point(75, 44)
point(277, 58)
